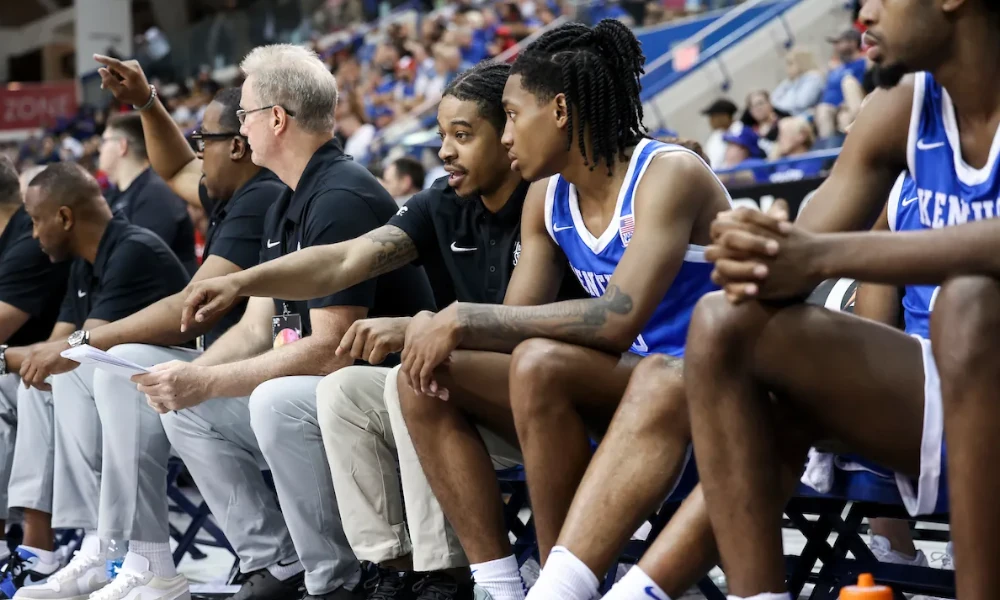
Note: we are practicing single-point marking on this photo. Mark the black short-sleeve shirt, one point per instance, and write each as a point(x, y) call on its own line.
point(149, 202)
point(235, 229)
point(133, 269)
point(29, 281)
point(459, 236)
point(336, 200)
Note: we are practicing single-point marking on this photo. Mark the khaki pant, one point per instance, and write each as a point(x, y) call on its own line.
point(363, 431)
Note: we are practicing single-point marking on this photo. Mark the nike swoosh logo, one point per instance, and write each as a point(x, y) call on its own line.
point(924, 146)
point(557, 229)
point(271, 244)
point(908, 201)
point(80, 294)
point(456, 248)
point(649, 592)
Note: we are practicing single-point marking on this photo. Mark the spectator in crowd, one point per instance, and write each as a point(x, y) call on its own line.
point(720, 118)
point(795, 137)
point(851, 63)
point(447, 63)
point(403, 178)
point(742, 144)
point(140, 195)
point(761, 116)
point(354, 129)
point(801, 90)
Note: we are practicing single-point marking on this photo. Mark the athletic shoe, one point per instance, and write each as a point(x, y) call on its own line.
point(261, 585)
point(24, 568)
point(136, 582)
point(337, 594)
point(438, 586)
point(390, 584)
point(85, 574)
point(884, 553)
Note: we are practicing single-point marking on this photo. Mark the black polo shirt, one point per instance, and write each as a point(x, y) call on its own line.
point(235, 229)
point(149, 202)
point(336, 200)
point(476, 248)
point(29, 281)
point(133, 269)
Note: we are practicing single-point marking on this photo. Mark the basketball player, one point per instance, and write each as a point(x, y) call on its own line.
point(874, 388)
point(573, 111)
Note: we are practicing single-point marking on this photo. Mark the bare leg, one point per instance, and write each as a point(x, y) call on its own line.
point(560, 395)
point(860, 382)
point(452, 453)
point(38, 529)
point(635, 467)
point(965, 328)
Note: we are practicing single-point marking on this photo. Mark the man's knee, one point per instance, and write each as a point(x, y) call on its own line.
point(656, 393)
point(965, 324)
point(414, 406)
point(270, 404)
point(540, 364)
point(716, 323)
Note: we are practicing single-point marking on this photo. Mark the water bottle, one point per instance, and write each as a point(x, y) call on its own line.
point(866, 589)
point(114, 555)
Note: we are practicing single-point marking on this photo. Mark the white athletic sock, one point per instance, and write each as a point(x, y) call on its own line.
point(766, 596)
point(161, 562)
point(91, 544)
point(634, 586)
point(564, 577)
point(282, 572)
point(500, 578)
point(46, 556)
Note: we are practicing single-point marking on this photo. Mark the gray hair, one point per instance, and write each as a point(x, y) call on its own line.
point(296, 79)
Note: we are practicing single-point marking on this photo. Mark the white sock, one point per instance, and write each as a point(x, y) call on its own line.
point(765, 596)
point(91, 544)
point(501, 578)
point(46, 556)
point(564, 577)
point(282, 572)
point(636, 584)
point(161, 562)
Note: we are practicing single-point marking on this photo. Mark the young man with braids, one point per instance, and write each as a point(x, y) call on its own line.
point(630, 214)
point(465, 230)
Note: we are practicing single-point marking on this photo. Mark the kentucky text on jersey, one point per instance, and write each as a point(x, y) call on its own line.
point(594, 259)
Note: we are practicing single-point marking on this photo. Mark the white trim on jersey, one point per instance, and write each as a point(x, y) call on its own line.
point(966, 173)
point(915, 111)
point(892, 208)
point(550, 196)
point(598, 244)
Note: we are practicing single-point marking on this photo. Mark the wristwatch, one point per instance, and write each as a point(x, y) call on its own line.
point(3, 359)
point(80, 337)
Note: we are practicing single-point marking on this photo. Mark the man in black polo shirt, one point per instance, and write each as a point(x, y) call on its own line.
point(465, 230)
point(140, 195)
point(251, 396)
point(118, 269)
point(31, 288)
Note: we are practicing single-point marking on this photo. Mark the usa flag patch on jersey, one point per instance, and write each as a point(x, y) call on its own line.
point(625, 229)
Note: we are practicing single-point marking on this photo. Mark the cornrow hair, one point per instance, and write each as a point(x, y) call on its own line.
point(598, 69)
point(483, 84)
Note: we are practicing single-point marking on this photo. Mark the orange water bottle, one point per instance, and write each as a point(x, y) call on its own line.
point(866, 589)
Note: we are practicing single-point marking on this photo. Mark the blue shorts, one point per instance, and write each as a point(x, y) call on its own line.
point(687, 480)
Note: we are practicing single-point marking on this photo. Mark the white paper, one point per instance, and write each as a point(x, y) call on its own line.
point(88, 355)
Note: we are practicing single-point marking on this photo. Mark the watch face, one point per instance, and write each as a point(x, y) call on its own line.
point(76, 338)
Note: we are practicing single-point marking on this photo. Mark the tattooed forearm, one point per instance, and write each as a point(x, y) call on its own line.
point(395, 249)
point(590, 322)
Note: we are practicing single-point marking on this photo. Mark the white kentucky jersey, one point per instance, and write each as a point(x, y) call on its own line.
point(594, 259)
point(943, 190)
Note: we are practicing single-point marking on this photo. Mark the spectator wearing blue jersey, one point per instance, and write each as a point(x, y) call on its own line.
point(847, 49)
point(742, 144)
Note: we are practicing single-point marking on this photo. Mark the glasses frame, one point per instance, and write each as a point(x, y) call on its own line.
point(242, 114)
point(199, 137)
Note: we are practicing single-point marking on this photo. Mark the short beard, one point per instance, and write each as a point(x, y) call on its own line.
point(889, 76)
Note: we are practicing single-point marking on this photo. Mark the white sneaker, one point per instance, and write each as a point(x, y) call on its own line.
point(136, 582)
point(884, 553)
point(86, 573)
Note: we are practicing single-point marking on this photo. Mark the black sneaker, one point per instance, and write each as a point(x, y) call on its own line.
point(438, 586)
point(261, 585)
point(390, 584)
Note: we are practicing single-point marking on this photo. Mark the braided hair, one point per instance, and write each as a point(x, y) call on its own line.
point(483, 84)
point(598, 69)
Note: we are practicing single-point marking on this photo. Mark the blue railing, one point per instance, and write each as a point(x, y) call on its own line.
point(663, 75)
point(791, 160)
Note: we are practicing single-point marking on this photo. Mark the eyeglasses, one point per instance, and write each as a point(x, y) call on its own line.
point(199, 137)
point(242, 114)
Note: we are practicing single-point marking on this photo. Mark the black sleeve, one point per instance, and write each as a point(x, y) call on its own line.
point(27, 276)
point(154, 212)
point(338, 216)
point(415, 219)
point(137, 275)
point(238, 239)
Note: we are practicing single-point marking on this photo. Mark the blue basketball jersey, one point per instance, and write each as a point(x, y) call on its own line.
point(941, 189)
point(594, 259)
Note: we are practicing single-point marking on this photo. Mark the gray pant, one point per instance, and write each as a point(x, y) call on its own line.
point(34, 452)
point(283, 416)
point(8, 433)
point(77, 471)
point(364, 432)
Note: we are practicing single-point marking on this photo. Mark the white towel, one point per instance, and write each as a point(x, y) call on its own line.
point(819, 471)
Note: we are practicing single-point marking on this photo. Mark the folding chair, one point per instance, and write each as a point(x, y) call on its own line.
point(188, 540)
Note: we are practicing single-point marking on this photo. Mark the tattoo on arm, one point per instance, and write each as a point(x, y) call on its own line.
point(395, 249)
point(583, 322)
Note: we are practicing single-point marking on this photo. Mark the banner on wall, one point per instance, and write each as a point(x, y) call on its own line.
point(34, 105)
point(762, 196)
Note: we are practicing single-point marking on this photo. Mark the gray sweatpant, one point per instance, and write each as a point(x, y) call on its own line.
point(8, 433)
point(34, 452)
point(77, 464)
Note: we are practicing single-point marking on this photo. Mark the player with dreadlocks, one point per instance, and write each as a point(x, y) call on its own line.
point(629, 213)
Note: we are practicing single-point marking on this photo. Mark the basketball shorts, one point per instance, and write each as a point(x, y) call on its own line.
point(929, 493)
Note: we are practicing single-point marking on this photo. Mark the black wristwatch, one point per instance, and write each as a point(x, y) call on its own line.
point(3, 360)
point(79, 337)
